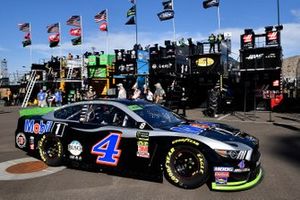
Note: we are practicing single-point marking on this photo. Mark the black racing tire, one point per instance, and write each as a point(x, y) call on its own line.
point(186, 167)
point(51, 150)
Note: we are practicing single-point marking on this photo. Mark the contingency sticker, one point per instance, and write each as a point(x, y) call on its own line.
point(142, 144)
point(21, 140)
point(221, 177)
point(135, 107)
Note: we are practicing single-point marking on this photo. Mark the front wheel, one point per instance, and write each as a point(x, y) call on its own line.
point(186, 167)
point(51, 150)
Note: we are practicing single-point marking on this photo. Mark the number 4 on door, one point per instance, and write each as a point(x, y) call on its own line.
point(107, 150)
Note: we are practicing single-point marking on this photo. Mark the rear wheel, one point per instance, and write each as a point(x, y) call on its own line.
point(51, 150)
point(186, 167)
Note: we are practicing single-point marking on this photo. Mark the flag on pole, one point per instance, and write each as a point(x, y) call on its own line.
point(103, 26)
point(54, 40)
point(168, 12)
point(76, 41)
point(132, 1)
point(25, 27)
point(27, 40)
point(131, 21)
point(101, 16)
point(74, 20)
point(53, 28)
point(168, 4)
point(166, 15)
point(210, 3)
point(75, 31)
point(131, 11)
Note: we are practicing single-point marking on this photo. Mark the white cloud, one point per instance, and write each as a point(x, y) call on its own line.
point(3, 49)
point(296, 13)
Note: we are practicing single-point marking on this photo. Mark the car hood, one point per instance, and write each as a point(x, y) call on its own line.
point(216, 131)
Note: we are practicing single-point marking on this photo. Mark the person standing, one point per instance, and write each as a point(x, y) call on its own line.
point(136, 92)
point(159, 94)
point(122, 92)
point(41, 97)
point(220, 38)
point(148, 94)
point(212, 41)
point(58, 98)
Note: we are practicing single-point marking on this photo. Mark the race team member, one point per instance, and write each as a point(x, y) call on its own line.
point(122, 92)
point(159, 94)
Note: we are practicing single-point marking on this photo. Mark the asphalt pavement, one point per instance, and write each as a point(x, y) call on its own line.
point(279, 146)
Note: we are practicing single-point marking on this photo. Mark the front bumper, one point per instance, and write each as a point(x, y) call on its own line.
point(239, 185)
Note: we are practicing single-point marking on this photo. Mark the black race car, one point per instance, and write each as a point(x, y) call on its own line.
point(142, 138)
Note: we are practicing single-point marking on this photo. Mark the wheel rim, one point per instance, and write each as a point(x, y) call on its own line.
point(186, 164)
point(51, 148)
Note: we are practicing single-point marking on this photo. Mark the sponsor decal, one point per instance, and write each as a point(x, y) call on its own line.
point(205, 62)
point(254, 56)
point(248, 38)
point(222, 174)
point(221, 177)
point(242, 170)
point(142, 144)
point(75, 148)
point(31, 143)
point(223, 169)
point(185, 140)
point(272, 35)
point(187, 129)
point(21, 140)
point(203, 126)
point(242, 164)
point(221, 180)
point(37, 128)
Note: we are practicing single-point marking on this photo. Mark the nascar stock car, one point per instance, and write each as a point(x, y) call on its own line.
point(139, 137)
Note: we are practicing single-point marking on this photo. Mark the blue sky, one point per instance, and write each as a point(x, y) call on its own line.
point(191, 20)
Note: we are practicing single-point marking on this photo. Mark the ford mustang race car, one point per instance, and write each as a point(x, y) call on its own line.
point(138, 137)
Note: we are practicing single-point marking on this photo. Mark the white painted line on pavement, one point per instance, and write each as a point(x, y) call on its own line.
point(220, 118)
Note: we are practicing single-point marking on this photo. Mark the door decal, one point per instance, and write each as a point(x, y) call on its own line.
point(107, 150)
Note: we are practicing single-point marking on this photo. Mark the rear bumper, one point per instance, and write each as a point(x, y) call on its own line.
point(240, 185)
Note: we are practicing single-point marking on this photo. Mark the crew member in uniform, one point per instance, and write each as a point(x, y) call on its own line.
point(212, 41)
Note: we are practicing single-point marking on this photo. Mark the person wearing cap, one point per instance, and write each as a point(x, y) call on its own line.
point(122, 92)
point(136, 92)
point(91, 94)
point(159, 94)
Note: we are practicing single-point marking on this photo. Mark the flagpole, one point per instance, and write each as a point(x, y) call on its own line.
point(82, 56)
point(136, 27)
point(173, 21)
point(219, 19)
point(107, 38)
point(30, 48)
point(60, 40)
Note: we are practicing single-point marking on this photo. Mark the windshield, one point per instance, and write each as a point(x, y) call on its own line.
point(158, 117)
